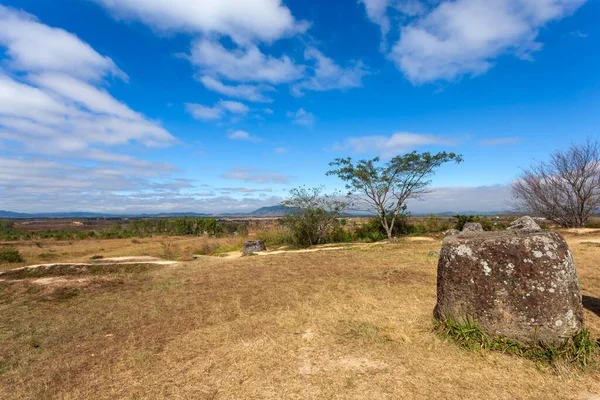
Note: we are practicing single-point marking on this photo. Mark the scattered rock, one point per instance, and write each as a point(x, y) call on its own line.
point(254, 246)
point(472, 227)
point(524, 224)
point(451, 232)
point(433, 254)
point(521, 284)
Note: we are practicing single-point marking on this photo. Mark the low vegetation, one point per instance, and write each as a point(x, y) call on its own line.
point(10, 255)
point(579, 350)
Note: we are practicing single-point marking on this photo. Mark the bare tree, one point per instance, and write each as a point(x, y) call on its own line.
point(386, 188)
point(565, 189)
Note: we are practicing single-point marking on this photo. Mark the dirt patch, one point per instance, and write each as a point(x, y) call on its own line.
point(327, 247)
point(581, 231)
point(420, 239)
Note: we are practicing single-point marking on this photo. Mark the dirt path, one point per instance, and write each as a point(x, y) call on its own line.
point(326, 247)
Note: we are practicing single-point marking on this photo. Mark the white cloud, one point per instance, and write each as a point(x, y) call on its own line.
point(253, 176)
point(302, 117)
point(243, 64)
point(86, 95)
point(35, 47)
point(280, 150)
point(327, 75)
point(243, 135)
point(234, 106)
point(245, 190)
point(198, 111)
point(389, 146)
point(499, 141)
point(268, 111)
point(218, 111)
point(378, 11)
point(465, 37)
point(246, 92)
point(242, 20)
point(55, 117)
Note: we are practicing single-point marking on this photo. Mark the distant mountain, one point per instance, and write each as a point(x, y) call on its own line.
point(263, 212)
point(273, 211)
point(171, 215)
point(10, 214)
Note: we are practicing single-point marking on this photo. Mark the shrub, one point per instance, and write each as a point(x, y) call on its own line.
point(486, 223)
point(339, 235)
point(374, 231)
point(207, 249)
point(433, 224)
point(314, 216)
point(371, 231)
point(10, 255)
point(274, 236)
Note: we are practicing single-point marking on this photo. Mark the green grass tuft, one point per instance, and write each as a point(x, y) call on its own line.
point(10, 255)
point(580, 349)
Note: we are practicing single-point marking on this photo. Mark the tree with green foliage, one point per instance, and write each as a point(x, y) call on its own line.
point(313, 215)
point(385, 188)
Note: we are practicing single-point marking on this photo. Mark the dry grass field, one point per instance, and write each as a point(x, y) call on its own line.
point(351, 323)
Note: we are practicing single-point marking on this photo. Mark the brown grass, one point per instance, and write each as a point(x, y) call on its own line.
point(172, 248)
point(340, 324)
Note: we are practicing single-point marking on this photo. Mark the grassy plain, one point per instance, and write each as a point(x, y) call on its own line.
point(351, 323)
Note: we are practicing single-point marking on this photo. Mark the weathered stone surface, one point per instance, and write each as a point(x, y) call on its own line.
point(451, 232)
point(472, 227)
point(525, 224)
point(521, 284)
point(254, 246)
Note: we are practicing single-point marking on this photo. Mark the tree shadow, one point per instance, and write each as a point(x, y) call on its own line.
point(592, 304)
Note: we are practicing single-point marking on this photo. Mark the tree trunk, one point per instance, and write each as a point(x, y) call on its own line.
point(389, 232)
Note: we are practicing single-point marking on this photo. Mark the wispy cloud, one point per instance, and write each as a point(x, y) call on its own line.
point(578, 34)
point(243, 135)
point(499, 141)
point(302, 117)
point(255, 93)
point(327, 75)
point(389, 146)
point(254, 176)
point(244, 64)
point(234, 107)
point(245, 190)
point(205, 113)
point(216, 112)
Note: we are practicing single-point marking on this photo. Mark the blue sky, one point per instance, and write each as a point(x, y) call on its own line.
point(224, 105)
